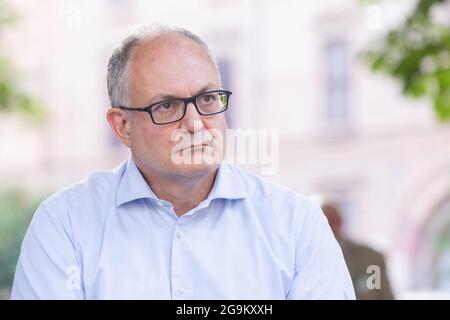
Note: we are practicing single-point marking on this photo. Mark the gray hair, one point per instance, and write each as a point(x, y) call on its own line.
point(118, 73)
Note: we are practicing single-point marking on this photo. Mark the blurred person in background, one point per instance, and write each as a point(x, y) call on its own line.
point(157, 229)
point(359, 260)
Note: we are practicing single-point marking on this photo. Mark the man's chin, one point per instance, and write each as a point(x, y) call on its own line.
point(195, 169)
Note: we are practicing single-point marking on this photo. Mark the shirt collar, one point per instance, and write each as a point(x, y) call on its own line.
point(132, 185)
point(228, 184)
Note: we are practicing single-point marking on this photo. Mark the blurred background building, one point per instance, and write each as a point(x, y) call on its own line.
point(345, 133)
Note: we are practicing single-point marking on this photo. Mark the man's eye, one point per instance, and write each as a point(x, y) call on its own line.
point(207, 98)
point(164, 107)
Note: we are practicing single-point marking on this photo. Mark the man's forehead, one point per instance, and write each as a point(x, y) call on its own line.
point(153, 61)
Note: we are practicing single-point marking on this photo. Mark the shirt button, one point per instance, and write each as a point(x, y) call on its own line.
point(180, 234)
point(181, 290)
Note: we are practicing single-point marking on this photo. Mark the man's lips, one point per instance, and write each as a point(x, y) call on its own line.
point(196, 146)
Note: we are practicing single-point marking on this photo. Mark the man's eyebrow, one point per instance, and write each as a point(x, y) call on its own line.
point(161, 97)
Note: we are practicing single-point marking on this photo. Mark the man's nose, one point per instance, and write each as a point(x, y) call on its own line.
point(192, 120)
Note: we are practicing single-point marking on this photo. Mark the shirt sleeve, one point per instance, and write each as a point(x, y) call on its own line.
point(320, 268)
point(48, 267)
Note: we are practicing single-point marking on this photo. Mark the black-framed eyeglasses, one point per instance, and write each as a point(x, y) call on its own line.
point(173, 110)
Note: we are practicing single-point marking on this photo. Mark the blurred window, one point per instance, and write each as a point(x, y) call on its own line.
point(336, 68)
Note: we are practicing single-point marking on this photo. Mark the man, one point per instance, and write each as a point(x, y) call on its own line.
point(161, 228)
point(363, 262)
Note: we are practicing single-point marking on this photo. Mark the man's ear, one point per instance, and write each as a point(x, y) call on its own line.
point(120, 123)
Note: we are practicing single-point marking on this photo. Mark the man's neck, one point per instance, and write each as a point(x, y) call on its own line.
point(182, 192)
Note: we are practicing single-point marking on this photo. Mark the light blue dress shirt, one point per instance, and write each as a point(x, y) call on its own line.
point(110, 237)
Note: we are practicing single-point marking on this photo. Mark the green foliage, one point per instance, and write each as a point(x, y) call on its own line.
point(16, 210)
point(7, 15)
point(12, 96)
point(418, 54)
